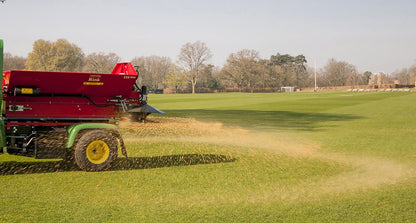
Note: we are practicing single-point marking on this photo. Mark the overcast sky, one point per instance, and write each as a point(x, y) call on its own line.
point(374, 35)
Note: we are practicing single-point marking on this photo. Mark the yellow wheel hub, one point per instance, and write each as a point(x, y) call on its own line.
point(98, 152)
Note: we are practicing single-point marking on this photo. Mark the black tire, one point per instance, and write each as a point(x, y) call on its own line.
point(96, 150)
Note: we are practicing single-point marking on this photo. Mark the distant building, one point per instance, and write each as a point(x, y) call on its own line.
point(379, 79)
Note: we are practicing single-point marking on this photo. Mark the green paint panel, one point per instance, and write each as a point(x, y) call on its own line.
point(74, 129)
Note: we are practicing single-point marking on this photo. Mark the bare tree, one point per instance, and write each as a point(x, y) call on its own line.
point(153, 70)
point(55, 56)
point(175, 78)
point(13, 62)
point(355, 79)
point(100, 62)
point(192, 58)
point(403, 76)
point(406, 75)
point(335, 73)
point(412, 71)
point(275, 76)
point(242, 68)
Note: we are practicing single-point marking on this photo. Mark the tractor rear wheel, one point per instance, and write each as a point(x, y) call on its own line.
point(96, 150)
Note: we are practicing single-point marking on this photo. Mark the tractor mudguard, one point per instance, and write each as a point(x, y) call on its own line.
point(73, 130)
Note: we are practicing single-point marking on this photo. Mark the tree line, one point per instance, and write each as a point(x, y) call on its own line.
point(244, 69)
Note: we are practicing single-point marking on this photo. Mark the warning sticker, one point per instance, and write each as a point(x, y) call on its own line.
point(27, 90)
point(94, 83)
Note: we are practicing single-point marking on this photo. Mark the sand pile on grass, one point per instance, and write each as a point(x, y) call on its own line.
point(366, 172)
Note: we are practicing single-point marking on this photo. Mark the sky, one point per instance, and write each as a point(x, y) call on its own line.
point(373, 35)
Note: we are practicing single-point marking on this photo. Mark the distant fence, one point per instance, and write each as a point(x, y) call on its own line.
point(270, 90)
point(209, 90)
point(360, 87)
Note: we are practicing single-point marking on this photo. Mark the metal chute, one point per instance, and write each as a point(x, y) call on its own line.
point(148, 109)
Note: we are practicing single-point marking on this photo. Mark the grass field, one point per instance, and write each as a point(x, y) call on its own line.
point(299, 157)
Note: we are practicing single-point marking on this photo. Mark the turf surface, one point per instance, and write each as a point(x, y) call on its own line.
point(299, 157)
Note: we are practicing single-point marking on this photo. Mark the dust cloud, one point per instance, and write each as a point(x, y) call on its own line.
point(364, 172)
point(187, 129)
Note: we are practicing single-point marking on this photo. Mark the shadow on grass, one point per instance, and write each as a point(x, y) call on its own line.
point(131, 163)
point(266, 119)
